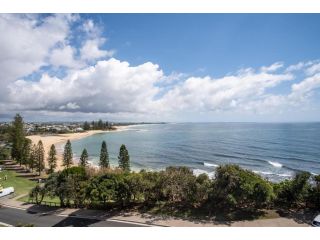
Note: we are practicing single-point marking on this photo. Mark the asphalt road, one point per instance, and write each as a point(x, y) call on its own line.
point(15, 216)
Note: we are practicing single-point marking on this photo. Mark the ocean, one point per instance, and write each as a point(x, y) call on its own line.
point(274, 150)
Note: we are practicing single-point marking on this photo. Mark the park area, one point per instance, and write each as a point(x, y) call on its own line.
point(21, 184)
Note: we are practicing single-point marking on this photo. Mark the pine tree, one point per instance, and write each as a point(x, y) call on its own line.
point(104, 156)
point(27, 147)
point(100, 125)
point(40, 157)
point(84, 158)
point(67, 155)
point(17, 138)
point(124, 158)
point(86, 126)
point(52, 159)
point(33, 155)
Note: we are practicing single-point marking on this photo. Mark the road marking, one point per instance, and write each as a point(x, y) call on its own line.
point(5, 224)
point(135, 223)
point(9, 206)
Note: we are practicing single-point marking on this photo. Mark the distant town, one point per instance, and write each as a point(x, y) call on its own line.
point(31, 128)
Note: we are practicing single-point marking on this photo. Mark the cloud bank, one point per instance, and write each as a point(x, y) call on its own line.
point(44, 69)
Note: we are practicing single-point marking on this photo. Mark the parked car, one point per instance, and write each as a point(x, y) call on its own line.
point(316, 221)
point(6, 191)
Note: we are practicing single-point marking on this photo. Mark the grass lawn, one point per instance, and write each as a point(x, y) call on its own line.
point(21, 185)
point(46, 199)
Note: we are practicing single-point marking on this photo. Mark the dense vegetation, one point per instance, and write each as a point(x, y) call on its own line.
point(232, 188)
point(98, 125)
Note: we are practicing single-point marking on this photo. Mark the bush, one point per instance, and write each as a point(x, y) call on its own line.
point(235, 187)
point(293, 193)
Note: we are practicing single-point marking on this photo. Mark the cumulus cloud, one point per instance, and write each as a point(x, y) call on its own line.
point(25, 43)
point(208, 94)
point(108, 86)
point(91, 50)
point(64, 56)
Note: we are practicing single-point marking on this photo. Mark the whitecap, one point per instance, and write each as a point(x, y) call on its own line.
point(210, 165)
point(275, 164)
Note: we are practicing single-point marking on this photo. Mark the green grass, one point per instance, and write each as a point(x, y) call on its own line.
point(21, 185)
point(47, 199)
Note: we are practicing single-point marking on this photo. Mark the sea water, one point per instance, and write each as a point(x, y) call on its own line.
point(274, 150)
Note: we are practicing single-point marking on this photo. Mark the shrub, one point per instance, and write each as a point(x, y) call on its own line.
point(235, 187)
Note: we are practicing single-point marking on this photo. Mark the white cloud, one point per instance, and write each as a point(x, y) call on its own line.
point(207, 94)
point(64, 56)
point(93, 83)
point(315, 68)
point(91, 50)
point(25, 43)
point(109, 86)
point(272, 68)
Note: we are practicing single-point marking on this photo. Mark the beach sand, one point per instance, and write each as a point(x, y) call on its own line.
point(56, 139)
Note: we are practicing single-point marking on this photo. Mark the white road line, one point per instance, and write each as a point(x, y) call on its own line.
point(135, 223)
point(5, 224)
point(9, 206)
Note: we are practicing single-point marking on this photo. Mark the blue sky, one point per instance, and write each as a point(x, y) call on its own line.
point(173, 67)
point(218, 43)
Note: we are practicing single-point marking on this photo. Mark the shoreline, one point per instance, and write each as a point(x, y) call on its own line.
point(59, 139)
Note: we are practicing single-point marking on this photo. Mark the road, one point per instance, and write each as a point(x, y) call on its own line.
point(14, 217)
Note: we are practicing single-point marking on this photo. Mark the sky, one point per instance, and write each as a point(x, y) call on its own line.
point(160, 67)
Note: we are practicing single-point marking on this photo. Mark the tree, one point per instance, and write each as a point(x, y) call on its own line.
point(52, 159)
point(124, 159)
point(27, 146)
point(86, 126)
point(104, 156)
point(100, 124)
point(17, 138)
point(68, 185)
point(40, 157)
point(293, 192)
point(37, 193)
point(314, 195)
point(178, 184)
point(235, 188)
point(84, 158)
point(33, 155)
point(67, 155)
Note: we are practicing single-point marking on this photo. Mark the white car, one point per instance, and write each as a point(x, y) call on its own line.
point(6, 191)
point(316, 221)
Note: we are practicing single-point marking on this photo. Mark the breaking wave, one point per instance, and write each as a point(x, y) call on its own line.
point(210, 165)
point(275, 164)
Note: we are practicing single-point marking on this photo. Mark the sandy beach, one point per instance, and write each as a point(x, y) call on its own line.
point(56, 139)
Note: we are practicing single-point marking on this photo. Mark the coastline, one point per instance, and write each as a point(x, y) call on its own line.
point(58, 139)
